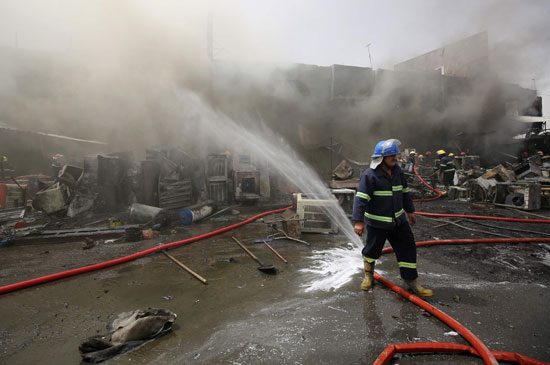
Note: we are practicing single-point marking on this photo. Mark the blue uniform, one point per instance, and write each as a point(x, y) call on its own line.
point(447, 167)
point(381, 201)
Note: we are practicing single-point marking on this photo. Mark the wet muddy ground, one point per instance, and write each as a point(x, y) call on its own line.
point(500, 292)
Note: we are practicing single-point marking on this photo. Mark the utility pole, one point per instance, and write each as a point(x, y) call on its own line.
point(331, 158)
point(370, 59)
point(210, 37)
point(210, 52)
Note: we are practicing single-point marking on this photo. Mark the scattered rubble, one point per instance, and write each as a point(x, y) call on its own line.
point(167, 188)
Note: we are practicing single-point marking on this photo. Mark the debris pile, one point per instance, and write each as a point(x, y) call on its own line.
point(133, 198)
point(524, 185)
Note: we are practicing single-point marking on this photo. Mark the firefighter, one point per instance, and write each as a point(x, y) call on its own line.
point(6, 169)
point(446, 169)
point(411, 160)
point(428, 158)
point(3, 162)
point(384, 203)
point(58, 160)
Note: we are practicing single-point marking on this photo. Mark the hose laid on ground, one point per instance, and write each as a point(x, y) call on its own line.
point(478, 240)
point(429, 186)
point(455, 325)
point(490, 357)
point(137, 255)
point(452, 348)
point(547, 221)
point(505, 228)
point(38, 176)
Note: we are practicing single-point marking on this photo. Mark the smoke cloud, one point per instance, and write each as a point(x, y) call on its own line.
point(114, 71)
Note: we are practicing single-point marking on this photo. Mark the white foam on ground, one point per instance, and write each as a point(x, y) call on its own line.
point(334, 268)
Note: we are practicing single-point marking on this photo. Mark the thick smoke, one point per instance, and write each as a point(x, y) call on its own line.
point(113, 71)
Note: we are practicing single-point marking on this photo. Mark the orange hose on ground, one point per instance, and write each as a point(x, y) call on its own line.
point(445, 347)
point(137, 255)
point(429, 186)
point(547, 221)
point(455, 325)
point(481, 350)
point(478, 240)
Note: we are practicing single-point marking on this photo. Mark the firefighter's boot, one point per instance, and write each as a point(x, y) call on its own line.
point(367, 281)
point(415, 288)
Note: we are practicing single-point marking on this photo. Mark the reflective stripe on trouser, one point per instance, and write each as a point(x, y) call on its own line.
point(401, 239)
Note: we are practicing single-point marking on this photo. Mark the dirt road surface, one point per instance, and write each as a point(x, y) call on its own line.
point(500, 292)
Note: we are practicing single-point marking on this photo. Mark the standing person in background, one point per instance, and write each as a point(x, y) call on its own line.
point(446, 169)
point(7, 170)
point(411, 160)
point(58, 160)
point(428, 158)
point(383, 201)
point(3, 160)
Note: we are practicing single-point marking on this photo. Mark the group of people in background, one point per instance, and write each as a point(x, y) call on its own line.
point(444, 162)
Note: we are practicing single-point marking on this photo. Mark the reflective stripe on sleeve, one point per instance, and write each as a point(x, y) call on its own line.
point(406, 190)
point(397, 187)
point(363, 195)
point(449, 170)
point(397, 214)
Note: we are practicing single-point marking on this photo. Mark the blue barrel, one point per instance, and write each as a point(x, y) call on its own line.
point(196, 212)
point(185, 216)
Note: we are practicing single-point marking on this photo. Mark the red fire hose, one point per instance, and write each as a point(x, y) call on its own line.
point(479, 349)
point(425, 183)
point(547, 221)
point(479, 240)
point(463, 331)
point(445, 347)
point(137, 255)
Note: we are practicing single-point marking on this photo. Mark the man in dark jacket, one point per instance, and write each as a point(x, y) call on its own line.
point(446, 168)
point(383, 201)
